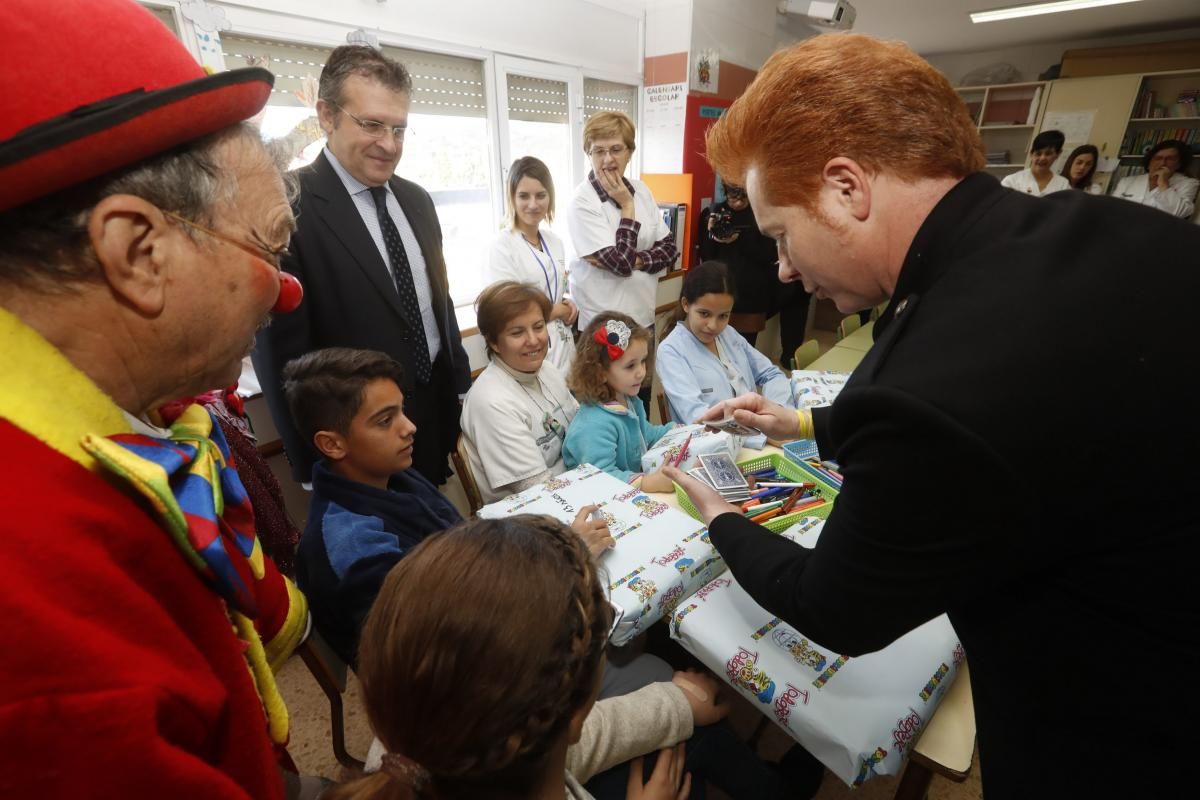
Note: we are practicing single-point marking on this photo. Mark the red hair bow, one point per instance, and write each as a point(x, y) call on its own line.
point(614, 336)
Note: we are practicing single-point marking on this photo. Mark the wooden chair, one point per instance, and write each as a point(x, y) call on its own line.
point(848, 325)
point(462, 468)
point(806, 354)
point(330, 673)
point(664, 409)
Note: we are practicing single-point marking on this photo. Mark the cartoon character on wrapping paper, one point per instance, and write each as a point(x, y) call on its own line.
point(649, 508)
point(799, 647)
point(742, 670)
point(683, 564)
point(645, 589)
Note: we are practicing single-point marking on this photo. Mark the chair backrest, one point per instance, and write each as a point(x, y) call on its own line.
point(462, 468)
point(664, 409)
point(848, 325)
point(806, 354)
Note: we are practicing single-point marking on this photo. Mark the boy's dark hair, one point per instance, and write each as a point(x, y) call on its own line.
point(1051, 138)
point(325, 388)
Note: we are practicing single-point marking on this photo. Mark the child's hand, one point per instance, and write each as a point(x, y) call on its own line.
point(594, 532)
point(700, 689)
point(667, 782)
point(657, 481)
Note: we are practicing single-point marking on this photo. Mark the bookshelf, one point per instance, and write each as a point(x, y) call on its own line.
point(1167, 106)
point(1007, 116)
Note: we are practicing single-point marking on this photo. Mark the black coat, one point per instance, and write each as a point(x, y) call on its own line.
point(1021, 450)
point(349, 301)
point(752, 260)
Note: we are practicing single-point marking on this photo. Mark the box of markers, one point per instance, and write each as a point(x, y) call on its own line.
point(785, 470)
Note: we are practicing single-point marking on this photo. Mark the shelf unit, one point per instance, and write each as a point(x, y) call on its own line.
point(1165, 108)
point(1007, 116)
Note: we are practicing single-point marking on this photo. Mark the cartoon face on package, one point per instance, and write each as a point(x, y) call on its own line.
point(742, 670)
point(799, 647)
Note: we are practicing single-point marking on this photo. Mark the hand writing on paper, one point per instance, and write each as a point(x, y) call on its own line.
point(595, 533)
point(701, 689)
point(709, 504)
point(667, 782)
point(776, 421)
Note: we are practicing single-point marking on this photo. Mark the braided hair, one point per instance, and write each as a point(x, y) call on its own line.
point(483, 642)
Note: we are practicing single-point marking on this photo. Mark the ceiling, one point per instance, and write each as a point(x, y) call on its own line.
point(942, 26)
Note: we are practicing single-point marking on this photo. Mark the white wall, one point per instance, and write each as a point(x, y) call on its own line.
point(668, 27)
point(605, 41)
point(1031, 60)
point(742, 32)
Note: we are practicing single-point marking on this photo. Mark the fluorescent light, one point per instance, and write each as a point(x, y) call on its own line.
point(1034, 9)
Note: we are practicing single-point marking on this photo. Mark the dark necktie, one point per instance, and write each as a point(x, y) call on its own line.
point(402, 273)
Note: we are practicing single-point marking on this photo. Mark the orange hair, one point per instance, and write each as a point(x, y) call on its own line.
point(870, 100)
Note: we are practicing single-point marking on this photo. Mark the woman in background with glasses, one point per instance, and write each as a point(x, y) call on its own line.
point(529, 253)
point(620, 239)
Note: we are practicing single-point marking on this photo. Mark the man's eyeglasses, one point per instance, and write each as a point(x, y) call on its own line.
point(615, 151)
point(259, 249)
point(373, 128)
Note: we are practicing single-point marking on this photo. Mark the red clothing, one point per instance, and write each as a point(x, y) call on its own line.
point(122, 676)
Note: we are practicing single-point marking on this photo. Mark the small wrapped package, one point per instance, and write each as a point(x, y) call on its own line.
point(661, 555)
point(703, 442)
point(859, 716)
point(812, 388)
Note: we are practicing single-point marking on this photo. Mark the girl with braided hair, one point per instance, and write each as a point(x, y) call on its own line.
point(480, 662)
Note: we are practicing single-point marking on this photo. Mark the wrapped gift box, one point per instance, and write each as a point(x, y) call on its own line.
point(703, 442)
point(859, 716)
point(812, 388)
point(661, 555)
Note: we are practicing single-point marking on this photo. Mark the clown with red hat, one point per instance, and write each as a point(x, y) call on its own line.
point(141, 224)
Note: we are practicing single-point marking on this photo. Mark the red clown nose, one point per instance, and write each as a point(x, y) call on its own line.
point(291, 292)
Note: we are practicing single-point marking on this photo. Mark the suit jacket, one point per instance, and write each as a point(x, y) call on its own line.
point(349, 299)
point(1021, 451)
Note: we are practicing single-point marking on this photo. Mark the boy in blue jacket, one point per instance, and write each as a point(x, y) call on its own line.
point(368, 508)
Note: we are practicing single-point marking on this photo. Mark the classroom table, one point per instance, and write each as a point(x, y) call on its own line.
point(861, 339)
point(947, 744)
point(839, 359)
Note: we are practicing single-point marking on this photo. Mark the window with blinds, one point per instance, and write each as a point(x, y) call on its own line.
point(446, 85)
point(601, 95)
point(166, 16)
point(536, 99)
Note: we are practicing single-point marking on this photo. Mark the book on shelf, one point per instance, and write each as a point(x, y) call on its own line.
point(1139, 142)
point(1033, 106)
point(996, 158)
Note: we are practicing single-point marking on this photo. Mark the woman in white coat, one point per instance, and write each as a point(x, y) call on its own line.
point(529, 253)
point(1039, 180)
point(703, 360)
point(1080, 168)
point(1163, 185)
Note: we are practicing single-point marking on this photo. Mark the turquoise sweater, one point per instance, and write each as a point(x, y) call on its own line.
point(611, 440)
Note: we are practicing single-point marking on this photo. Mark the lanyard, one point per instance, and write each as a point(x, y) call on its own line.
point(545, 271)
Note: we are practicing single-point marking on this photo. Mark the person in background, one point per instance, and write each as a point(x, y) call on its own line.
point(1163, 185)
point(369, 248)
point(703, 360)
point(1038, 179)
point(517, 413)
point(729, 233)
point(139, 252)
point(1080, 168)
point(610, 430)
point(530, 253)
point(1022, 550)
point(618, 233)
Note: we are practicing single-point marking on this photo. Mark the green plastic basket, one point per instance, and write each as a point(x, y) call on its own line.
point(788, 469)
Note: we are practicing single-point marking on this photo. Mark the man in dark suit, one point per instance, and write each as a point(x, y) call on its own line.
point(368, 250)
point(1018, 452)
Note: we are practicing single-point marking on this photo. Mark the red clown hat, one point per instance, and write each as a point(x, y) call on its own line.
point(90, 86)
